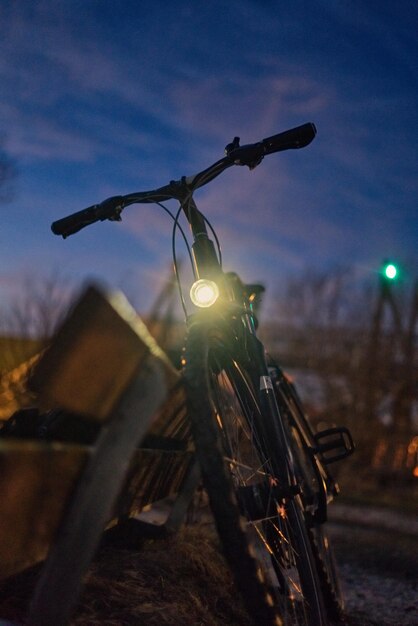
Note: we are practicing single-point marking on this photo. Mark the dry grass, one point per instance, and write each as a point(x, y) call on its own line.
point(181, 580)
point(360, 484)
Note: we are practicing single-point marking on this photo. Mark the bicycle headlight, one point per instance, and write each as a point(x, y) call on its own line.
point(204, 293)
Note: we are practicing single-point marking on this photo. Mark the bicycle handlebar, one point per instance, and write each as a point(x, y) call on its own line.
point(250, 155)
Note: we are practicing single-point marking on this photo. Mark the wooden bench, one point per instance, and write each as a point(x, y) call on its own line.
point(58, 498)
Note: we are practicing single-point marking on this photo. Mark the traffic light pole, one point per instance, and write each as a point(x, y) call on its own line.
point(385, 296)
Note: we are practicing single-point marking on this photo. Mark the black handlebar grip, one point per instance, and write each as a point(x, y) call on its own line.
point(109, 209)
point(298, 137)
point(75, 222)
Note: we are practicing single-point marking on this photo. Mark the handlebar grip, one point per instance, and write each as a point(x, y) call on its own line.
point(74, 222)
point(109, 209)
point(298, 137)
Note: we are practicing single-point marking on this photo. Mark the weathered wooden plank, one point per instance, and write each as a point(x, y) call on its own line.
point(35, 482)
point(171, 421)
point(94, 356)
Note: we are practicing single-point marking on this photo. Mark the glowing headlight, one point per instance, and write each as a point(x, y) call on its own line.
point(204, 293)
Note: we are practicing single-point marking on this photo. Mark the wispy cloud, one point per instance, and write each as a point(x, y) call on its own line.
point(45, 65)
point(112, 101)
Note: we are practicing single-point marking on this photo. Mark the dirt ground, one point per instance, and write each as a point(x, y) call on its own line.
point(377, 552)
point(183, 581)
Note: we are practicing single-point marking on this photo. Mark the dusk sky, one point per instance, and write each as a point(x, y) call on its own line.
point(106, 97)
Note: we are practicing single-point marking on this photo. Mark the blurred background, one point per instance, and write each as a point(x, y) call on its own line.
point(104, 98)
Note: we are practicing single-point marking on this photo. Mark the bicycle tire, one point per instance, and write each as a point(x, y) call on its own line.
point(317, 532)
point(268, 549)
point(327, 571)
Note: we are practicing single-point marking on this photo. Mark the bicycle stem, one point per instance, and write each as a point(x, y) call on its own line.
point(205, 260)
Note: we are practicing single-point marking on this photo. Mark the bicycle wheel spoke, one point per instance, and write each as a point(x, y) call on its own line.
point(254, 472)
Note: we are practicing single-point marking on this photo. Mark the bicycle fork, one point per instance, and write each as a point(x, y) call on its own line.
point(273, 431)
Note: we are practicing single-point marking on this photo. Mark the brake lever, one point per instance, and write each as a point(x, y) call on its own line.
point(250, 154)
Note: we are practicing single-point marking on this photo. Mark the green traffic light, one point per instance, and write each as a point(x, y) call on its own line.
point(390, 271)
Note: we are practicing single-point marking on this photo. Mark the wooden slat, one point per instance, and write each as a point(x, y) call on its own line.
point(94, 356)
point(36, 480)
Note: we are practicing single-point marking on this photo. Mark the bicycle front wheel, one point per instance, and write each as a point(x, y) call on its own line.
point(308, 480)
point(262, 532)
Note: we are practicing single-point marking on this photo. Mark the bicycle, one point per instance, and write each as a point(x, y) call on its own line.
point(264, 469)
